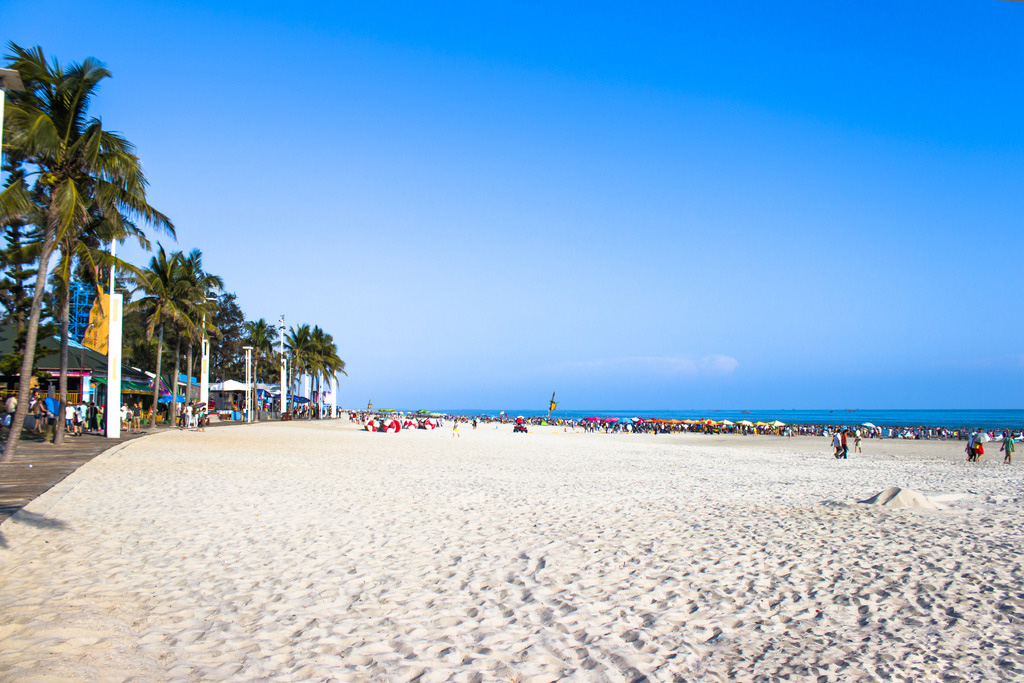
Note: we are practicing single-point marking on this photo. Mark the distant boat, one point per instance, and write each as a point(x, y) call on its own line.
point(746, 412)
point(851, 410)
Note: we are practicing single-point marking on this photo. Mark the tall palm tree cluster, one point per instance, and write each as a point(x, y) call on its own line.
point(313, 352)
point(176, 291)
point(309, 351)
point(72, 188)
point(77, 183)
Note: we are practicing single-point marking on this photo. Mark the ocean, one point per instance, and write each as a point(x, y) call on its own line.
point(984, 419)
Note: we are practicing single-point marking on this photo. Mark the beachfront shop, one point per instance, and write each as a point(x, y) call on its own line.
point(87, 373)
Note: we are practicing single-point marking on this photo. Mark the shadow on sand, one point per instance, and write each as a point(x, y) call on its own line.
point(22, 516)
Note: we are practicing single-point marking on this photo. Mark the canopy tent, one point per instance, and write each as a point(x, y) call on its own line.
point(229, 385)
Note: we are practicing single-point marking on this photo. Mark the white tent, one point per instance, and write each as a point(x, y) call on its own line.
point(228, 385)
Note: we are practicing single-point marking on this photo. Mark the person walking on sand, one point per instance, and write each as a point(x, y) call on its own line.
point(837, 448)
point(455, 430)
point(977, 446)
point(856, 442)
point(1007, 448)
point(843, 446)
point(970, 446)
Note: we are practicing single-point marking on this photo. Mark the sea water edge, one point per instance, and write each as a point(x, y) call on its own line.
point(949, 419)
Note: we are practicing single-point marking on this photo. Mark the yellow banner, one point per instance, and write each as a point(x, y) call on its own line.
point(95, 336)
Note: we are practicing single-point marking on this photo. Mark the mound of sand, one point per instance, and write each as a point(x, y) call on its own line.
point(895, 497)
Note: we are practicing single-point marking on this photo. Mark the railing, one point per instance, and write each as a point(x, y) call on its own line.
point(6, 393)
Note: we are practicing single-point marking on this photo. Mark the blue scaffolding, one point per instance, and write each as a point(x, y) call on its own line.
point(82, 296)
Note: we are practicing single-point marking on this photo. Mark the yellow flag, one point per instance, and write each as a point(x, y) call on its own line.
point(95, 336)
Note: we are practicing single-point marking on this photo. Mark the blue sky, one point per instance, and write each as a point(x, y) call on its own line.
point(680, 205)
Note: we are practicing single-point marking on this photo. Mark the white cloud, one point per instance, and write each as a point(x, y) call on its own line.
point(715, 364)
point(718, 365)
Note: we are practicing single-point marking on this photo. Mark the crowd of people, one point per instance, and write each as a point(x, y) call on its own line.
point(83, 417)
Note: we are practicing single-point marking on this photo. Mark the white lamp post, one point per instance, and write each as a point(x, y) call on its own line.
point(204, 364)
point(10, 79)
point(113, 410)
point(284, 373)
point(248, 383)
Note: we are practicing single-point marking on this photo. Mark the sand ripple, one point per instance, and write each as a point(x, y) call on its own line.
point(316, 552)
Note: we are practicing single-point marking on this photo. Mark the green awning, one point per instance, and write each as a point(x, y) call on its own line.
point(127, 386)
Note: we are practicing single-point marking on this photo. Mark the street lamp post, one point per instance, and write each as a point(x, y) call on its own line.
point(10, 79)
point(248, 383)
point(113, 410)
point(284, 373)
point(204, 364)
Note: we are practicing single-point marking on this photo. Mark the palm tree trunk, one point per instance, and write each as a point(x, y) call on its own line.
point(62, 384)
point(177, 371)
point(28, 359)
point(156, 380)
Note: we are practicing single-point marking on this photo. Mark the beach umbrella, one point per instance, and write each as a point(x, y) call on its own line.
point(983, 437)
point(727, 422)
point(778, 423)
point(745, 423)
point(392, 427)
point(869, 425)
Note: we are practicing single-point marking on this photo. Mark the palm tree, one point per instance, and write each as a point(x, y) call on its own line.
point(325, 361)
point(260, 336)
point(76, 165)
point(198, 284)
point(80, 254)
point(162, 285)
point(299, 345)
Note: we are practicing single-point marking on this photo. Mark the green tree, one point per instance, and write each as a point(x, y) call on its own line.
point(74, 166)
point(325, 362)
point(314, 353)
point(260, 336)
point(81, 255)
point(199, 285)
point(227, 359)
point(161, 284)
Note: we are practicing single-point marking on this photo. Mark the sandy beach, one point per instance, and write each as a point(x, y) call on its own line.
point(316, 551)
